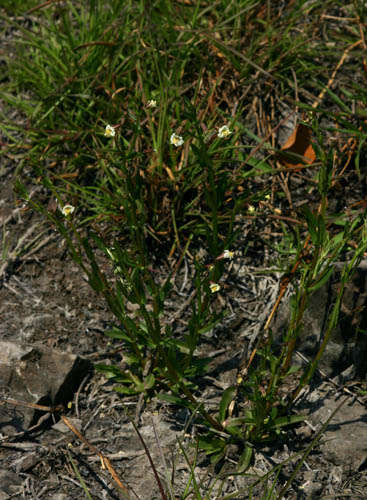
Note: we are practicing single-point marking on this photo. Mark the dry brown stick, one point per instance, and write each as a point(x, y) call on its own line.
point(351, 146)
point(332, 78)
point(50, 411)
point(20, 434)
point(283, 287)
point(286, 281)
point(363, 40)
point(15, 402)
point(104, 460)
point(268, 136)
point(42, 5)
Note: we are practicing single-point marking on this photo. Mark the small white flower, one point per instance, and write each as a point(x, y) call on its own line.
point(224, 132)
point(109, 131)
point(251, 209)
point(214, 287)
point(227, 254)
point(176, 140)
point(67, 210)
point(152, 103)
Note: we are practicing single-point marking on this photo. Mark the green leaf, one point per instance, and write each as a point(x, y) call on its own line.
point(211, 444)
point(311, 223)
point(210, 325)
point(117, 333)
point(149, 381)
point(324, 177)
point(288, 420)
point(245, 459)
point(336, 241)
point(322, 233)
point(337, 99)
point(356, 160)
point(260, 167)
point(94, 275)
point(324, 278)
point(176, 400)
point(227, 397)
point(99, 242)
point(293, 369)
point(110, 371)
point(125, 390)
point(232, 424)
point(216, 457)
point(234, 430)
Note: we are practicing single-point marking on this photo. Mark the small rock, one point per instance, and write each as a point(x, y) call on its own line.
point(310, 485)
point(336, 475)
point(343, 441)
point(27, 461)
point(62, 427)
point(10, 483)
point(39, 375)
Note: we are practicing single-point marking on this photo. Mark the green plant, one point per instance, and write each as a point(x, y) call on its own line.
point(139, 128)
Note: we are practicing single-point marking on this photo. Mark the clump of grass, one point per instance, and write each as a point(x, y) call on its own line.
point(14, 7)
point(153, 128)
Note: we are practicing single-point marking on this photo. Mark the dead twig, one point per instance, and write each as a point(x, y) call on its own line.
point(105, 462)
point(332, 78)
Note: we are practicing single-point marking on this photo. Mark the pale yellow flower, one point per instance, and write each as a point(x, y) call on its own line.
point(214, 287)
point(251, 209)
point(227, 254)
point(109, 131)
point(152, 103)
point(224, 132)
point(176, 140)
point(67, 210)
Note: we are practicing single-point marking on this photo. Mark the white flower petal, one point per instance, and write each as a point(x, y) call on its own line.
point(176, 140)
point(224, 132)
point(67, 210)
point(109, 131)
